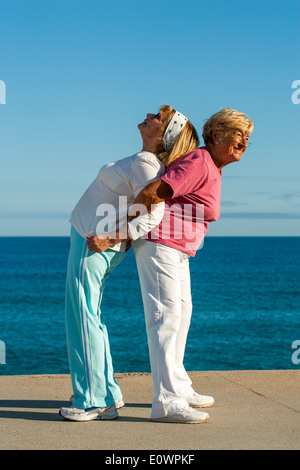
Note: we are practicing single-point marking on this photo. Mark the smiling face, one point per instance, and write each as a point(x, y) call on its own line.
point(226, 135)
point(230, 148)
point(239, 144)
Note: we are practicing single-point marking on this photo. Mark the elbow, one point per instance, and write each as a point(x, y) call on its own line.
point(149, 193)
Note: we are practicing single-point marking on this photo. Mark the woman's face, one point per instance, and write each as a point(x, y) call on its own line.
point(153, 125)
point(232, 147)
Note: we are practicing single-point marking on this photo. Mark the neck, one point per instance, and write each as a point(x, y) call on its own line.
point(152, 146)
point(214, 155)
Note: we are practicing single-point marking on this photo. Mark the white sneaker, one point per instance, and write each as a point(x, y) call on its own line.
point(73, 413)
point(118, 403)
point(185, 415)
point(200, 401)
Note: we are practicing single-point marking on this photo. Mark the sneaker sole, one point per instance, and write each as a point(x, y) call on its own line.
point(201, 406)
point(174, 420)
point(89, 418)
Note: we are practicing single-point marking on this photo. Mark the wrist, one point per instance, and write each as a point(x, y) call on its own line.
point(118, 238)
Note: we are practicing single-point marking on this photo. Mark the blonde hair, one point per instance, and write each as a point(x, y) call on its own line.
point(186, 142)
point(226, 121)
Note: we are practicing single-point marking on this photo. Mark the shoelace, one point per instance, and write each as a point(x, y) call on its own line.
point(186, 408)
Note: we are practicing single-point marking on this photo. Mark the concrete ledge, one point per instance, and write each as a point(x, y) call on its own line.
point(253, 410)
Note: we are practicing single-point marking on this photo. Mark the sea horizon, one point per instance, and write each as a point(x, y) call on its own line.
point(206, 236)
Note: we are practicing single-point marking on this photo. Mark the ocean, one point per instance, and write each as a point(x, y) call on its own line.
point(245, 295)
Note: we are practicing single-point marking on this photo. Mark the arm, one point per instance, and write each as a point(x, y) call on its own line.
point(155, 192)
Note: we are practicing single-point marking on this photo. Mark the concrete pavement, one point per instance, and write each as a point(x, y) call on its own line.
point(253, 410)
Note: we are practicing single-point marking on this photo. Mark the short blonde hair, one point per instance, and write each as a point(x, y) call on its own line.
point(186, 142)
point(226, 121)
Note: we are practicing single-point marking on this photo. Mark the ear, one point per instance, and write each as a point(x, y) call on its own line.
point(215, 136)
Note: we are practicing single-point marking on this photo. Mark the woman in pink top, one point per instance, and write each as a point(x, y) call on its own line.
point(191, 189)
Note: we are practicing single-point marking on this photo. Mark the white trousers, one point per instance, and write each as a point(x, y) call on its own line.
point(166, 291)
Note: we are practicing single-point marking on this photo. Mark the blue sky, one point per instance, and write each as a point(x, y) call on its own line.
point(80, 76)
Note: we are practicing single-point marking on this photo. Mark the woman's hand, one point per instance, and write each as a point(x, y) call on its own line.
point(99, 244)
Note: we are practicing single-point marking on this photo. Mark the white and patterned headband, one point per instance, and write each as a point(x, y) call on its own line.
point(173, 130)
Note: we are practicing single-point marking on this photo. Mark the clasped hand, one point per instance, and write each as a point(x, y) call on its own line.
point(98, 244)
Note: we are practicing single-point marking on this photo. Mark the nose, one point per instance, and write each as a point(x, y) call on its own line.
point(150, 116)
point(243, 142)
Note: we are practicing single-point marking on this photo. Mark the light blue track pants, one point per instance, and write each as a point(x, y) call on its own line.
point(87, 339)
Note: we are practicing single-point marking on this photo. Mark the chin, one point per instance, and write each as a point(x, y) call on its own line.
point(237, 158)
